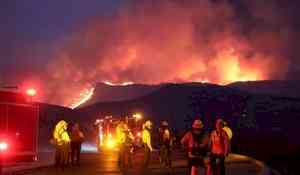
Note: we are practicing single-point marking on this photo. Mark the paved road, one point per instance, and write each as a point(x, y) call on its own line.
point(106, 164)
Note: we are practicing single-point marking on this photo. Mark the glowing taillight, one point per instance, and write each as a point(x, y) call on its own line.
point(3, 146)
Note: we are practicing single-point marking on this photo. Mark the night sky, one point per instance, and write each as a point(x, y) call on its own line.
point(28, 24)
point(33, 27)
point(33, 32)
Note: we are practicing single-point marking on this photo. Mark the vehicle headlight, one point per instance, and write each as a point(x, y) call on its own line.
point(110, 143)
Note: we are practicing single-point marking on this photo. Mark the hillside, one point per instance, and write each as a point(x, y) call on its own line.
point(281, 88)
point(180, 103)
point(109, 93)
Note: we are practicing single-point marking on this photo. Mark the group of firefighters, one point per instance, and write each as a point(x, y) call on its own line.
point(67, 142)
point(207, 150)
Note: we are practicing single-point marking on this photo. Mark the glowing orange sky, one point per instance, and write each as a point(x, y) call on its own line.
point(164, 42)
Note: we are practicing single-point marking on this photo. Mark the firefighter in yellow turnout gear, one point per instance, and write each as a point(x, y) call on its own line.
point(125, 143)
point(146, 137)
point(120, 133)
point(61, 140)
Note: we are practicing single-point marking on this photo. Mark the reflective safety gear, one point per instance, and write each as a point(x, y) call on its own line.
point(62, 143)
point(228, 132)
point(146, 137)
point(121, 137)
point(125, 143)
point(60, 133)
point(198, 124)
point(219, 142)
point(123, 133)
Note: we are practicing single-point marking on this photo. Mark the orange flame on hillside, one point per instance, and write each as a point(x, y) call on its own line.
point(127, 83)
point(152, 42)
point(83, 97)
point(231, 69)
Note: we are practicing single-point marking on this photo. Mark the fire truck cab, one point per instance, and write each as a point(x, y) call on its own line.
point(18, 128)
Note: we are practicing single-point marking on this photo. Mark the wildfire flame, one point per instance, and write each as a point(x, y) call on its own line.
point(83, 97)
point(118, 84)
point(152, 42)
point(231, 70)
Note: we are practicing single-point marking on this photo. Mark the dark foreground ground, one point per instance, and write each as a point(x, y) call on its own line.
point(105, 163)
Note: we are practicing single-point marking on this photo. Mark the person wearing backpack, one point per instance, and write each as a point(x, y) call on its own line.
point(220, 146)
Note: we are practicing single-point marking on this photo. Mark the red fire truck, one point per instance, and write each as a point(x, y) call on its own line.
point(18, 127)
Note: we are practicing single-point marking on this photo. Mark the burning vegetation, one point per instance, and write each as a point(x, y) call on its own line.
point(84, 96)
point(171, 41)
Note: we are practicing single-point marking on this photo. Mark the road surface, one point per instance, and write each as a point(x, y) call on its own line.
point(105, 163)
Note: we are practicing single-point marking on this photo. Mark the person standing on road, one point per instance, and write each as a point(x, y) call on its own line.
point(120, 140)
point(196, 142)
point(128, 146)
point(219, 148)
point(61, 140)
point(77, 138)
point(146, 137)
point(165, 143)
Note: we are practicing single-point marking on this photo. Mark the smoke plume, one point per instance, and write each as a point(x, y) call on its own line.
point(154, 41)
